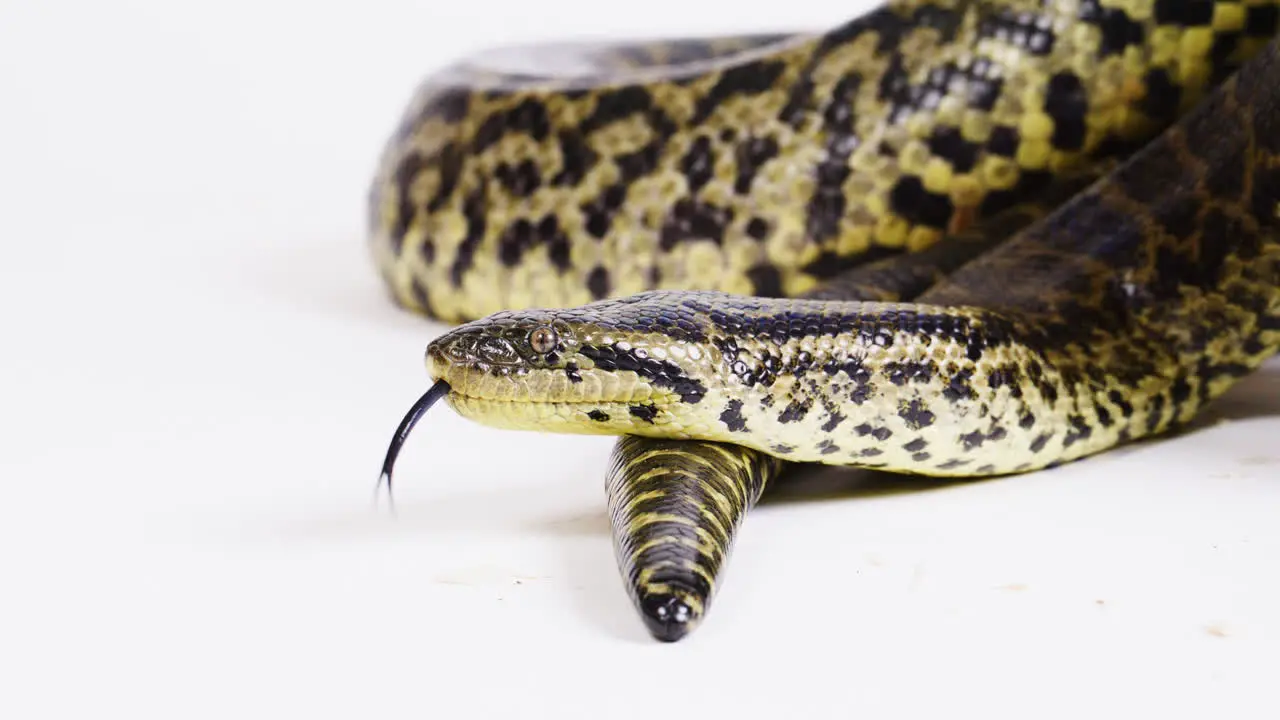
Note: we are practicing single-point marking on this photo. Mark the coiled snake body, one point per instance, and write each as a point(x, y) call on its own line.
point(947, 238)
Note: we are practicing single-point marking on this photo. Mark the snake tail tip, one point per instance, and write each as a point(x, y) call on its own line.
point(668, 617)
point(433, 395)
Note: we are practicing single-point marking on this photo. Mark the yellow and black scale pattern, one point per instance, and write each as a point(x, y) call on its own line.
point(736, 181)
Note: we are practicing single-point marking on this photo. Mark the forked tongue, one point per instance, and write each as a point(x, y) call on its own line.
point(420, 408)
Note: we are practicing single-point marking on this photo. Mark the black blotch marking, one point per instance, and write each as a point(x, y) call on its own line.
point(1224, 46)
point(420, 295)
point(799, 105)
point(634, 165)
point(1066, 102)
point(1163, 97)
point(795, 411)
point(1262, 20)
point(916, 445)
point(1184, 12)
point(449, 104)
point(645, 412)
point(1040, 442)
point(1080, 430)
point(959, 388)
point(732, 416)
point(861, 377)
point(571, 371)
point(598, 415)
point(826, 447)
point(601, 210)
point(912, 201)
point(698, 164)
point(901, 373)
point(1124, 406)
point(947, 143)
point(558, 248)
point(750, 155)
point(576, 159)
point(617, 104)
point(1004, 141)
point(515, 241)
point(1002, 376)
point(406, 172)
point(879, 433)
point(916, 414)
point(474, 210)
point(834, 421)
point(451, 161)
point(529, 117)
point(1180, 392)
point(521, 179)
point(661, 373)
point(1119, 31)
point(827, 205)
point(598, 282)
point(766, 280)
point(1049, 392)
point(748, 79)
point(694, 220)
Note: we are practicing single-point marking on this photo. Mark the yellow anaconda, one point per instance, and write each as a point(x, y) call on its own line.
point(882, 246)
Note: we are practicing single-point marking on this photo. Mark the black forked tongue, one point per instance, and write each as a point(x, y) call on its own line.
point(420, 408)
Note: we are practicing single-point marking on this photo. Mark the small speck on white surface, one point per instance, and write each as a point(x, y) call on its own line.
point(200, 375)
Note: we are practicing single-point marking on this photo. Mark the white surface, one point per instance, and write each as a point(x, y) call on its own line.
point(200, 374)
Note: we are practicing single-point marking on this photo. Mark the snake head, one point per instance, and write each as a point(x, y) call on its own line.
point(503, 344)
point(602, 368)
point(507, 356)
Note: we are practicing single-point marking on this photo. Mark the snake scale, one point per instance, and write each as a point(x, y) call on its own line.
point(947, 238)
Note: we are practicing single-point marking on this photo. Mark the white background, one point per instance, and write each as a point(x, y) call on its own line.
point(199, 374)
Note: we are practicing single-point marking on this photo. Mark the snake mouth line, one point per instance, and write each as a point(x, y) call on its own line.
point(456, 394)
point(542, 387)
point(528, 401)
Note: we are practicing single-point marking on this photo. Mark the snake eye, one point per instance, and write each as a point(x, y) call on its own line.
point(543, 340)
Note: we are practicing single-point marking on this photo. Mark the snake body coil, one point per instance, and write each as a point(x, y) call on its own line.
point(740, 262)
